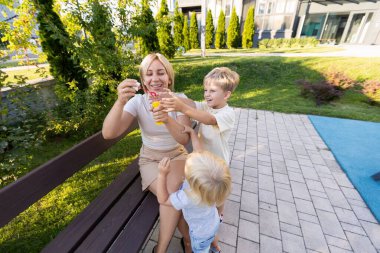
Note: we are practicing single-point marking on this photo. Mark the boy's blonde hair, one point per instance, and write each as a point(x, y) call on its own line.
point(167, 65)
point(209, 178)
point(224, 77)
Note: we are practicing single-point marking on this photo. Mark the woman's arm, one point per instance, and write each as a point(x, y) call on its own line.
point(175, 127)
point(117, 120)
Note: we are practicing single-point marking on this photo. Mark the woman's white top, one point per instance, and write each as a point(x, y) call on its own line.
point(153, 136)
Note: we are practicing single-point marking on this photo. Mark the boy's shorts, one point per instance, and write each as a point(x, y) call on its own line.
point(149, 159)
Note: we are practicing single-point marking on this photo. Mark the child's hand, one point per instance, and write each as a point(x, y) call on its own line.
point(187, 129)
point(164, 165)
point(172, 103)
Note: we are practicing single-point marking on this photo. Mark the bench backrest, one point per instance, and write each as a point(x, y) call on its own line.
point(19, 195)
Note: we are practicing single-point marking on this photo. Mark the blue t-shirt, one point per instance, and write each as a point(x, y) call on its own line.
point(202, 220)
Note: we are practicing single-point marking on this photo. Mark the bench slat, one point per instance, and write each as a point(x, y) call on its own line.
point(133, 236)
point(102, 236)
point(79, 228)
point(40, 181)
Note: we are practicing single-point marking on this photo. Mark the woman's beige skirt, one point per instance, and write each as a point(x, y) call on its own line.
point(149, 159)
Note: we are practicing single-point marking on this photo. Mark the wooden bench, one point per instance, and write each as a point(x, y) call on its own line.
point(118, 220)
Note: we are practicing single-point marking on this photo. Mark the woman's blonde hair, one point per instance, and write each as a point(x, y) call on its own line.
point(209, 178)
point(224, 77)
point(167, 65)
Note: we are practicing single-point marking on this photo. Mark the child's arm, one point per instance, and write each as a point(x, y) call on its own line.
point(162, 191)
point(186, 107)
point(197, 145)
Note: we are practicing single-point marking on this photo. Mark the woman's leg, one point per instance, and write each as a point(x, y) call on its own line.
point(184, 230)
point(169, 217)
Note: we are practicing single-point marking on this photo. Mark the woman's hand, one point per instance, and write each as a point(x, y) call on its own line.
point(164, 165)
point(127, 89)
point(160, 115)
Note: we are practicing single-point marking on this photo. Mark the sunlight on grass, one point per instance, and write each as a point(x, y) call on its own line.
point(31, 73)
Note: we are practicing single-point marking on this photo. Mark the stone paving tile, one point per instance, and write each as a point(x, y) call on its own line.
point(293, 243)
point(289, 194)
point(270, 245)
point(247, 246)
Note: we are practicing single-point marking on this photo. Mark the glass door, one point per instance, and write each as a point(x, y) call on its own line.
point(355, 28)
point(334, 28)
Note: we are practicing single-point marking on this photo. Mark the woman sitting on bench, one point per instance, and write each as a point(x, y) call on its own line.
point(161, 133)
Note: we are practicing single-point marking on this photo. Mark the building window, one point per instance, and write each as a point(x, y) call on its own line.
point(261, 8)
point(280, 6)
point(228, 10)
point(270, 7)
point(291, 6)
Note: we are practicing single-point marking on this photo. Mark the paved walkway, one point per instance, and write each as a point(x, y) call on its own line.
point(289, 193)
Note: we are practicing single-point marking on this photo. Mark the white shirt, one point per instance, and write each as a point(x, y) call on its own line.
point(215, 137)
point(153, 136)
point(202, 219)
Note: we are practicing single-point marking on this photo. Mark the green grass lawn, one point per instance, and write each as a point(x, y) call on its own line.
point(267, 83)
point(26, 74)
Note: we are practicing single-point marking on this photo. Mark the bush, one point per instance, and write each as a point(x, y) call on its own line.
point(371, 88)
point(193, 34)
point(220, 35)
point(322, 92)
point(233, 31)
point(340, 80)
point(263, 43)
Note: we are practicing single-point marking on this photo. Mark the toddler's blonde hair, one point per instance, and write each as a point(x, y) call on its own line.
point(209, 178)
point(224, 77)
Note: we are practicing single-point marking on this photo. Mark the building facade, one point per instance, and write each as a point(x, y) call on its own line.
point(330, 21)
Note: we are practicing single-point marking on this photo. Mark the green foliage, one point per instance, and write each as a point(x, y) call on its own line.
point(64, 65)
point(209, 30)
point(194, 41)
point(306, 42)
point(145, 30)
point(164, 29)
point(36, 226)
point(18, 35)
point(233, 32)
point(185, 32)
point(249, 29)
point(99, 52)
point(220, 36)
point(178, 26)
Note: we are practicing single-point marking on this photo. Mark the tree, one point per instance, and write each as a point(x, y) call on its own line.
point(209, 30)
point(165, 38)
point(178, 26)
point(100, 53)
point(220, 36)
point(194, 41)
point(145, 29)
point(185, 32)
point(233, 33)
point(64, 65)
point(18, 35)
point(249, 29)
